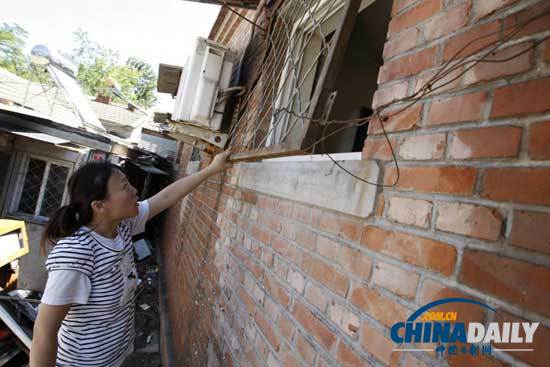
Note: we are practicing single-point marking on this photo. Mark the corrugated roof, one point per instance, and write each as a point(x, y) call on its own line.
point(52, 102)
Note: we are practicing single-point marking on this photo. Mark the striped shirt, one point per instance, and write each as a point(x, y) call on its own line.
point(99, 332)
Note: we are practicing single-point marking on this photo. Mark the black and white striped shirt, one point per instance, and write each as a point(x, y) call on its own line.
point(99, 332)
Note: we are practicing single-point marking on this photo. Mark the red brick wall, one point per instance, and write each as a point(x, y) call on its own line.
point(266, 281)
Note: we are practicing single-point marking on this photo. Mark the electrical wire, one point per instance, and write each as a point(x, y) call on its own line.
point(428, 88)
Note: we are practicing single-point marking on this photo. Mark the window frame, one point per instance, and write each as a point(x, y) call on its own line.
point(306, 135)
point(20, 173)
point(6, 184)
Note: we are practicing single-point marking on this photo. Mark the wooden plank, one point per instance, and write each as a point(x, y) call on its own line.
point(247, 4)
point(327, 79)
point(274, 151)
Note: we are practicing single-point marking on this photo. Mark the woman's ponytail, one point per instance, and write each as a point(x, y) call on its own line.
point(62, 223)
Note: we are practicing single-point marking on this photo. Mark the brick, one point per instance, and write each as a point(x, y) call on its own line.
point(529, 20)
point(446, 22)
point(288, 357)
point(271, 309)
point(490, 142)
point(397, 280)
point(355, 262)
point(471, 41)
point(423, 10)
point(286, 327)
point(539, 140)
point(387, 94)
point(290, 230)
point(410, 211)
point(296, 280)
point(397, 120)
point(531, 230)
point(522, 98)
point(402, 42)
point(431, 254)
point(347, 320)
point(328, 248)
point(378, 345)
point(267, 330)
point(305, 349)
point(485, 71)
point(399, 5)
point(468, 107)
point(488, 7)
point(422, 146)
point(287, 250)
point(276, 290)
point(469, 220)
point(306, 238)
point(249, 197)
point(432, 290)
point(272, 361)
point(379, 210)
point(247, 300)
point(314, 326)
point(466, 359)
point(441, 83)
point(519, 282)
point(541, 340)
point(377, 306)
point(407, 65)
point(378, 149)
point(316, 296)
point(347, 357)
point(326, 274)
point(441, 179)
point(521, 185)
point(279, 267)
point(260, 234)
point(341, 226)
point(300, 213)
point(411, 361)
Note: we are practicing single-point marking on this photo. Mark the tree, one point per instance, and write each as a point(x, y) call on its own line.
point(12, 42)
point(136, 78)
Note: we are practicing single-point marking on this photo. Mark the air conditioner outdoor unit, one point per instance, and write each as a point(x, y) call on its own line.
point(206, 73)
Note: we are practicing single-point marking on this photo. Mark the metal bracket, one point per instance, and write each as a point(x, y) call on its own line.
point(197, 132)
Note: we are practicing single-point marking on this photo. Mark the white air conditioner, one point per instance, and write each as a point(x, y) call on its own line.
point(206, 73)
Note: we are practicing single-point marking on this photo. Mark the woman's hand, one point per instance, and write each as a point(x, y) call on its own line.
point(220, 163)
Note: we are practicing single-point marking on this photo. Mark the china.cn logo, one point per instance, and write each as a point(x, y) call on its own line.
point(454, 337)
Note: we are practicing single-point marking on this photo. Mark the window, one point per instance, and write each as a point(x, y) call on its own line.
point(320, 51)
point(356, 79)
point(41, 187)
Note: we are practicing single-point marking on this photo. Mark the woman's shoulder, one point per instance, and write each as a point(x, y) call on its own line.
point(80, 239)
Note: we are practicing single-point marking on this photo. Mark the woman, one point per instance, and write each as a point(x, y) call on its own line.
point(87, 313)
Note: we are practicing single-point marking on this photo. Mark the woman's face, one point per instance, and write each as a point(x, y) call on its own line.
point(121, 200)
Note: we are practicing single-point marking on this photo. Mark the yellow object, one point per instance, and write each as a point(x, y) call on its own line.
point(14, 242)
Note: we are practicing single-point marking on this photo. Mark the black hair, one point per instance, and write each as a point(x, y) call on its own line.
point(88, 183)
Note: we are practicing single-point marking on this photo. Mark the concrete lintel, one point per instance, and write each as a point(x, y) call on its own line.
point(322, 184)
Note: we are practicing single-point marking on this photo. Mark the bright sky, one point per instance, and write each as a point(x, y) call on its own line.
point(158, 31)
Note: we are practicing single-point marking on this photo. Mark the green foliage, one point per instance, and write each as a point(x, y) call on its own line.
point(136, 78)
point(12, 56)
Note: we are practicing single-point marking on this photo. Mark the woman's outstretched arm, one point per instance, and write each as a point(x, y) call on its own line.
point(44, 341)
point(177, 190)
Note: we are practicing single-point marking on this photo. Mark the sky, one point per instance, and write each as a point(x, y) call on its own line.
point(158, 31)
